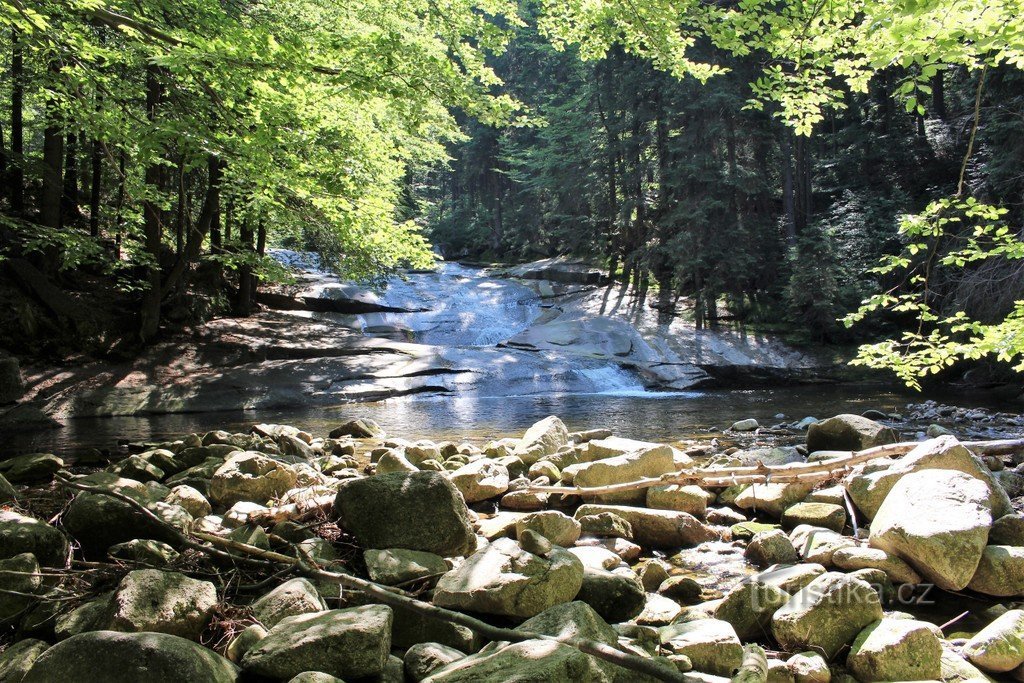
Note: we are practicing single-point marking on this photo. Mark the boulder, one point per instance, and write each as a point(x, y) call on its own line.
point(19, 581)
point(538, 661)
point(394, 460)
point(817, 544)
point(98, 521)
point(574, 619)
point(32, 467)
point(23, 534)
point(938, 521)
point(616, 597)
point(711, 645)
point(790, 578)
point(347, 643)
point(144, 551)
point(245, 641)
point(809, 667)
point(113, 657)
point(418, 511)
point(480, 480)
point(17, 658)
point(596, 557)
point(656, 528)
point(555, 526)
point(770, 547)
point(506, 580)
point(363, 428)
point(398, 566)
point(192, 500)
point(620, 469)
point(8, 494)
point(410, 628)
point(826, 615)
point(250, 476)
point(848, 433)
point(1007, 530)
point(1000, 572)
point(854, 558)
point(896, 650)
point(161, 602)
point(692, 499)
point(749, 607)
point(423, 659)
point(12, 386)
point(606, 524)
point(543, 438)
point(321, 677)
point(772, 499)
point(826, 515)
point(291, 598)
point(747, 425)
point(999, 647)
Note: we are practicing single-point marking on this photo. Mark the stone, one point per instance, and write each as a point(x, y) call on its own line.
point(778, 672)
point(393, 460)
point(542, 438)
point(598, 558)
point(619, 469)
point(711, 645)
point(115, 657)
point(656, 528)
point(1000, 572)
point(836, 495)
point(537, 661)
point(363, 428)
point(896, 650)
point(19, 581)
point(162, 602)
point(12, 386)
point(749, 607)
point(245, 641)
point(291, 598)
point(1007, 530)
point(555, 526)
point(546, 469)
point(999, 647)
point(616, 597)
point(17, 658)
point(854, 558)
point(30, 468)
point(956, 668)
point(772, 499)
point(97, 521)
point(790, 578)
point(320, 677)
point(23, 534)
point(825, 515)
point(423, 659)
point(652, 575)
point(532, 542)
point(692, 499)
point(193, 501)
point(826, 615)
point(848, 433)
point(748, 425)
point(418, 511)
point(250, 476)
point(575, 619)
point(410, 628)
point(626, 550)
point(606, 524)
point(8, 494)
point(524, 501)
point(938, 521)
point(681, 589)
point(746, 530)
point(817, 544)
point(771, 547)
point(347, 643)
point(398, 566)
point(809, 667)
point(506, 580)
point(658, 611)
point(144, 551)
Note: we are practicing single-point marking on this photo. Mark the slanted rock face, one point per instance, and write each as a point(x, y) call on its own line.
point(1000, 572)
point(999, 646)
point(826, 615)
point(848, 433)
point(130, 657)
point(531, 660)
point(297, 596)
point(31, 467)
point(897, 650)
point(19, 657)
point(938, 521)
point(418, 511)
point(543, 438)
point(348, 643)
point(711, 645)
point(656, 528)
point(480, 480)
point(855, 558)
point(423, 659)
point(162, 602)
point(359, 429)
point(506, 580)
point(250, 476)
point(24, 534)
point(620, 469)
point(692, 499)
point(397, 565)
point(574, 619)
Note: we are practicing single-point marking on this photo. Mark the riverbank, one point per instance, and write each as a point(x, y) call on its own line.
point(680, 581)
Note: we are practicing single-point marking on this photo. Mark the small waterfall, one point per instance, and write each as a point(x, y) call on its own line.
point(614, 380)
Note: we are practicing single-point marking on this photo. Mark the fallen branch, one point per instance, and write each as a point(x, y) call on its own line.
point(388, 595)
point(777, 474)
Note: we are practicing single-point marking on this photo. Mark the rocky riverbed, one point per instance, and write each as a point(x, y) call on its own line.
point(245, 556)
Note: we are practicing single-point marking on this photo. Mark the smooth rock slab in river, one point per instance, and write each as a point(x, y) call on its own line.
point(854, 558)
point(938, 521)
point(826, 615)
point(348, 643)
point(506, 580)
point(896, 650)
point(418, 511)
point(656, 528)
point(113, 657)
point(772, 499)
point(749, 607)
point(690, 498)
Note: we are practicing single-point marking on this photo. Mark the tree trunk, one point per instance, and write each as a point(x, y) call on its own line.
point(70, 201)
point(939, 95)
point(788, 205)
point(17, 176)
point(53, 162)
point(152, 220)
point(96, 188)
point(243, 306)
point(802, 193)
point(197, 233)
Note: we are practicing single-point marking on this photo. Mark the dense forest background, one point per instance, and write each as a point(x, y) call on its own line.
point(717, 208)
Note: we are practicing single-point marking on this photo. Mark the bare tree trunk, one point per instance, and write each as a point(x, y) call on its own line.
point(96, 188)
point(70, 200)
point(243, 306)
point(153, 220)
point(17, 176)
point(53, 162)
point(788, 205)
